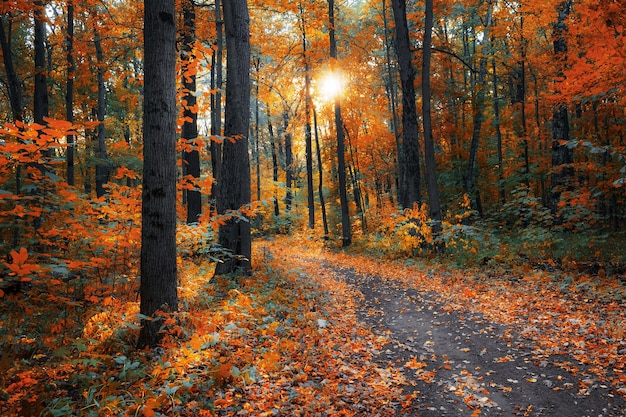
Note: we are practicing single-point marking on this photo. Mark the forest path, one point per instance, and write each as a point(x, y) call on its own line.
point(456, 361)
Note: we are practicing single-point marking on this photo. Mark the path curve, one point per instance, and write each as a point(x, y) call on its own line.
point(460, 364)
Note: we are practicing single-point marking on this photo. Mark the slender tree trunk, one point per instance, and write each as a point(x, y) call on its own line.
point(189, 134)
point(496, 113)
point(320, 169)
point(479, 116)
point(562, 155)
point(288, 163)
point(308, 104)
point(102, 162)
point(69, 92)
point(216, 97)
point(270, 128)
point(429, 146)
point(408, 155)
point(158, 287)
point(234, 176)
point(257, 137)
point(40, 99)
point(346, 230)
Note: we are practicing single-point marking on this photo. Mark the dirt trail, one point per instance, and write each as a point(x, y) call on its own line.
point(459, 364)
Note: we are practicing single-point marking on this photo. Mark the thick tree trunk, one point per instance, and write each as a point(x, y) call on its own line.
point(14, 85)
point(429, 146)
point(320, 169)
point(408, 155)
point(346, 229)
point(234, 176)
point(158, 215)
point(189, 134)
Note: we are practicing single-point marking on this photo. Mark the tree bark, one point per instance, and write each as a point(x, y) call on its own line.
point(69, 91)
point(216, 98)
point(40, 99)
point(102, 161)
point(189, 134)
point(14, 87)
point(429, 146)
point(308, 104)
point(409, 191)
point(234, 176)
point(562, 155)
point(158, 215)
point(346, 229)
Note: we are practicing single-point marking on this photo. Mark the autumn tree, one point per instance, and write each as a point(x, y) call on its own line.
point(408, 152)
point(233, 181)
point(158, 236)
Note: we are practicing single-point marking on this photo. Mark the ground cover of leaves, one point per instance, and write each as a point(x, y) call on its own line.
point(506, 343)
point(315, 332)
point(276, 343)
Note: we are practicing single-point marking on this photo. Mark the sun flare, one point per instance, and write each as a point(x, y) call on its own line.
point(330, 85)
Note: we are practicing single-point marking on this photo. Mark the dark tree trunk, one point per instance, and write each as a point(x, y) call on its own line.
point(216, 97)
point(257, 137)
point(478, 117)
point(308, 104)
point(429, 146)
point(102, 162)
point(234, 176)
point(320, 169)
point(562, 155)
point(408, 155)
point(189, 134)
point(270, 129)
point(346, 229)
point(288, 163)
point(69, 91)
point(158, 215)
point(14, 86)
point(40, 99)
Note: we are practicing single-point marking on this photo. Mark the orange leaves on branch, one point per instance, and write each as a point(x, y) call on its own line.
point(19, 267)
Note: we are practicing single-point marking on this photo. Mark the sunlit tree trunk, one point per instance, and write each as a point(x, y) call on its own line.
point(233, 181)
point(346, 230)
point(408, 154)
point(158, 215)
point(189, 134)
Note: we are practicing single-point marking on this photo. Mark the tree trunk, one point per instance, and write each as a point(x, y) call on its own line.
point(346, 230)
point(40, 99)
point(69, 91)
point(14, 85)
point(308, 104)
point(320, 169)
point(270, 129)
point(408, 155)
point(429, 146)
point(478, 117)
point(216, 98)
point(234, 176)
point(102, 162)
point(189, 134)
point(158, 215)
point(562, 156)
